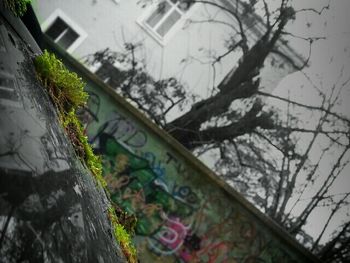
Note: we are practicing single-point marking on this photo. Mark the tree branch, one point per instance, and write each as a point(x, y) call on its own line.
point(305, 106)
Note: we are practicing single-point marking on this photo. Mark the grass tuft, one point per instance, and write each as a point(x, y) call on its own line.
point(66, 87)
point(83, 149)
point(66, 90)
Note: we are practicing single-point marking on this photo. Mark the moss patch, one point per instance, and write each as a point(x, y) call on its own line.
point(66, 90)
point(128, 221)
point(82, 148)
point(17, 7)
point(122, 236)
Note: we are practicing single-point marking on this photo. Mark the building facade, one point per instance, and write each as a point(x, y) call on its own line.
point(173, 38)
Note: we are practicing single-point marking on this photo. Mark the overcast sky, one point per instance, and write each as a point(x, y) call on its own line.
point(328, 58)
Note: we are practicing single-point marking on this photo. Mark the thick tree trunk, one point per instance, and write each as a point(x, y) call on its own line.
point(187, 128)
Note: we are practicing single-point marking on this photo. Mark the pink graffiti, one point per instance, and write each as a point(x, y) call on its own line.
point(171, 235)
point(213, 252)
point(174, 233)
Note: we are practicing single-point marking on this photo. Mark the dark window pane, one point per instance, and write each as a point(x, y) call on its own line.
point(68, 38)
point(158, 14)
point(168, 23)
point(56, 29)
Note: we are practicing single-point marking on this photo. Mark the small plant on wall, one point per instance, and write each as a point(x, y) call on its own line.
point(17, 7)
point(66, 90)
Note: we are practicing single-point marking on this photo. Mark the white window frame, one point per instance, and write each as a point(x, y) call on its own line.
point(141, 21)
point(58, 13)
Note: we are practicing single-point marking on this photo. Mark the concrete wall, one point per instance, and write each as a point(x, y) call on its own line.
point(51, 209)
point(185, 213)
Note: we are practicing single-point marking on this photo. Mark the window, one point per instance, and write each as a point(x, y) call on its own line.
point(63, 31)
point(164, 17)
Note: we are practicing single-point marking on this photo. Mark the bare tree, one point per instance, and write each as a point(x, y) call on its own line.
point(259, 147)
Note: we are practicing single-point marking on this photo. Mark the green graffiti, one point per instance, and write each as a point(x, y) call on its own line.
point(133, 186)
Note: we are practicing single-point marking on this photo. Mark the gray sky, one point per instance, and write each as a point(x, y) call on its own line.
point(328, 58)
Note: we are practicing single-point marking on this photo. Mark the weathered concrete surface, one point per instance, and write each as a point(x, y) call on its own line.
point(50, 207)
point(185, 212)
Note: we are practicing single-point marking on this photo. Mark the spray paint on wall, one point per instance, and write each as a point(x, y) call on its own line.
point(182, 216)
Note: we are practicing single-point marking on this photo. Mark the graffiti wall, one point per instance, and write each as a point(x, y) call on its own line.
point(183, 215)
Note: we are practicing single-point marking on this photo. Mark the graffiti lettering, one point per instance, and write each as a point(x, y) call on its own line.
point(180, 168)
point(170, 237)
point(176, 217)
point(157, 166)
point(122, 130)
point(186, 194)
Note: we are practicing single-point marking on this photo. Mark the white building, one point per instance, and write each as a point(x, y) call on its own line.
point(176, 39)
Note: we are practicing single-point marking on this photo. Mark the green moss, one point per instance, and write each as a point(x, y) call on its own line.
point(123, 237)
point(66, 86)
point(75, 132)
point(17, 7)
point(66, 90)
